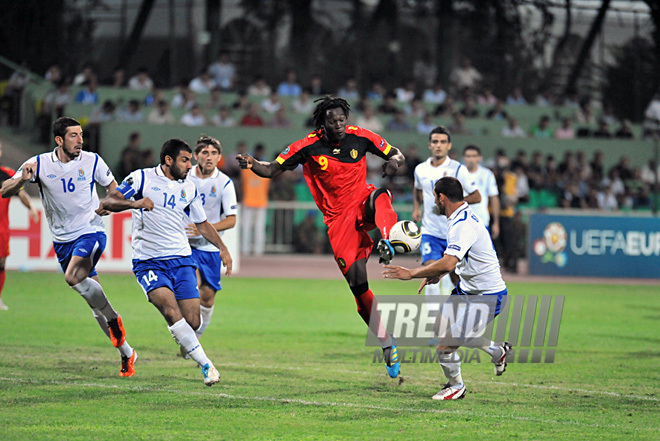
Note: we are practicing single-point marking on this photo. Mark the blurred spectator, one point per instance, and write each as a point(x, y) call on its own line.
point(303, 104)
point(349, 91)
point(223, 72)
point(194, 117)
point(597, 167)
point(316, 86)
point(290, 86)
point(607, 115)
point(447, 108)
point(535, 171)
point(614, 180)
point(398, 123)
point(307, 238)
point(585, 114)
point(649, 171)
point(572, 101)
point(280, 120)
point(425, 72)
point(368, 120)
point(272, 103)
point(426, 124)
point(513, 129)
point(415, 109)
point(652, 117)
point(457, 126)
point(568, 164)
point(520, 161)
point(130, 157)
point(377, 92)
point(242, 102)
point(487, 98)
point(161, 114)
point(259, 87)
point(215, 99)
point(435, 95)
point(624, 168)
point(406, 93)
point(505, 244)
point(203, 83)
point(566, 130)
point(56, 100)
point(497, 113)
point(252, 118)
point(118, 79)
point(154, 96)
point(465, 76)
point(89, 94)
point(544, 99)
point(625, 130)
point(573, 197)
point(184, 98)
point(607, 199)
point(603, 130)
point(582, 167)
point(86, 75)
point(516, 98)
point(542, 129)
point(388, 106)
point(469, 109)
point(132, 113)
point(103, 114)
point(253, 213)
point(141, 80)
point(54, 74)
point(223, 118)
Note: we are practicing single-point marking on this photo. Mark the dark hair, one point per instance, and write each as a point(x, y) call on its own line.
point(472, 147)
point(206, 140)
point(61, 125)
point(450, 187)
point(326, 103)
point(172, 147)
point(441, 130)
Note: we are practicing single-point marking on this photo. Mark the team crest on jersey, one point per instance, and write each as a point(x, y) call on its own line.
point(81, 175)
point(354, 154)
point(341, 262)
point(183, 195)
point(129, 181)
point(285, 151)
point(214, 192)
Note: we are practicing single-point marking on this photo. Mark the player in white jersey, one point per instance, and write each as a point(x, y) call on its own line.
point(160, 198)
point(488, 209)
point(479, 274)
point(219, 201)
point(434, 224)
point(66, 178)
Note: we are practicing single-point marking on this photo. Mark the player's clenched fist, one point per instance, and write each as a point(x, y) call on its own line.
point(145, 204)
point(28, 171)
point(245, 161)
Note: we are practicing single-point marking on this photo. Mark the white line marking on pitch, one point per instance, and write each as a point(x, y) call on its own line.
point(461, 412)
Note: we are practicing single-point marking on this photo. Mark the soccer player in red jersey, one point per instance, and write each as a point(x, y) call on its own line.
point(335, 168)
point(6, 173)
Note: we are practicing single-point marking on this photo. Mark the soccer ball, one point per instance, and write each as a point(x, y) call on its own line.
point(405, 236)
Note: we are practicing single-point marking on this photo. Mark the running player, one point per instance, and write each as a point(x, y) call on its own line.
point(160, 198)
point(334, 165)
point(219, 201)
point(488, 209)
point(479, 275)
point(7, 173)
point(434, 225)
point(66, 178)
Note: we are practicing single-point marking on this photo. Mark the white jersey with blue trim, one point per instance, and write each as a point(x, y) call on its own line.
point(487, 185)
point(160, 233)
point(426, 175)
point(68, 192)
point(468, 240)
point(219, 200)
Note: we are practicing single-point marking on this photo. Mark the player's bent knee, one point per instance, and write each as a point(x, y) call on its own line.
point(360, 289)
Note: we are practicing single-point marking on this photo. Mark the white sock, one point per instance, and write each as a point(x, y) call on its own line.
point(93, 293)
point(446, 285)
point(206, 314)
point(185, 336)
point(100, 319)
point(451, 367)
point(125, 350)
point(432, 290)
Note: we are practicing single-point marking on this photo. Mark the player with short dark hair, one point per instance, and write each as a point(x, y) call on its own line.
point(67, 178)
point(479, 275)
point(334, 164)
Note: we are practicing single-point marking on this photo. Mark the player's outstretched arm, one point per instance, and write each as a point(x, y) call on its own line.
point(11, 187)
point(260, 168)
point(209, 233)
point(115, 202)
point(395, 159)
point(430, 272)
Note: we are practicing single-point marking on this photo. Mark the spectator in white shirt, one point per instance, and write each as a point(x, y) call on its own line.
point(141, 81)
point(203, 83)
point(194, 117)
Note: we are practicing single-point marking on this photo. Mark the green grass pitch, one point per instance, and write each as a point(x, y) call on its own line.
point(293, 364)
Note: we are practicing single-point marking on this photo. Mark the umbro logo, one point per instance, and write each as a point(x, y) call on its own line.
point(82, 250)
point(51, 176)
point(336, 151)
point(155, 188)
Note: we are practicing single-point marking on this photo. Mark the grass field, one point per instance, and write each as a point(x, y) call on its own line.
point(294, 366)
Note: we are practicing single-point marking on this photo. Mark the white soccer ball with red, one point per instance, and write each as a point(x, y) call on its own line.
point(405, 236)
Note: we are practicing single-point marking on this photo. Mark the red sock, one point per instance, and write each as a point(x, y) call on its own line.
point(385, 216)
point(2, 280)
point(365, 302)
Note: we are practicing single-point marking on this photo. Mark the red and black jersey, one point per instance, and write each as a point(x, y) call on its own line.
point(336, 174)
point(5, 173)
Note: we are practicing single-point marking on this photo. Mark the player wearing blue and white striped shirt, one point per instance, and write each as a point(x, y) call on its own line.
point(67, 179)
point(434, 224)
point(219, 201)
point(160, 198)
point(479, 275)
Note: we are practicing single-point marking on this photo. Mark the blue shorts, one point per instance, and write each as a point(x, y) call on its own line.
point(177, 274)
point(498, 304)
point(432, 248)
point(88, 246)
point(209, 265)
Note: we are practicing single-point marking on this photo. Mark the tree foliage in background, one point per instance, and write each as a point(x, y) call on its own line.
point(632, 79)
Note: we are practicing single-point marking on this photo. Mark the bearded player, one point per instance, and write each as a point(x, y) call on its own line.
point(334, 163)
